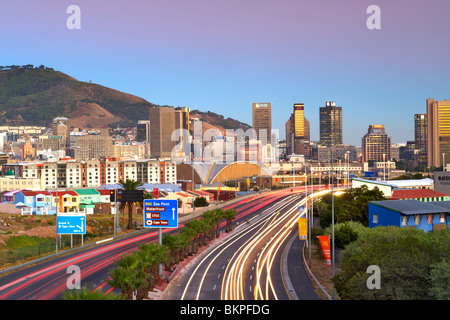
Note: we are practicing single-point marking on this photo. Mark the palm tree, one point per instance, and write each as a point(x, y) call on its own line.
point(126, 279)
point(130, 185)
point(89, 293)
point(214, 217)
point(152, 255)
point(230, 215)
point(192, 228)
point(173, 244)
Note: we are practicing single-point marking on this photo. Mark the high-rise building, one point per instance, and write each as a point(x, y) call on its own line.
point(289, 136)
point(162, 125)
point(330, 124)
point(182, 118)
point(182, 124)
point(297, 132)
point(376, 144)
point(61, 127)
point(420, 131)
point(438, 131)
point(143, 131)
point(262, 121)
point(299, 121)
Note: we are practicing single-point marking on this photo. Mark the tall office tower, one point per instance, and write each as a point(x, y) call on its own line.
point(297, 132)
point(143, 131)
point(438, 132)
point(61, 127)
point(289, 136)
point(182, 123)
point(262, 121)
point(420, 131)
point(376, 144)
point(330, 124)
point(182, 118)
point(162, 124)
point(299, 121)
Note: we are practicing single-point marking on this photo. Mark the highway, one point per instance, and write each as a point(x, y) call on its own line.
point(254, 263)
point(48, 280)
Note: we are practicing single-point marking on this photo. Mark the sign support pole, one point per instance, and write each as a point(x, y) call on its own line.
point(160, 242)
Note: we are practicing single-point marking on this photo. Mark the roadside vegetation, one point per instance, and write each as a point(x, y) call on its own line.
point(413, 264)
point(136, 274)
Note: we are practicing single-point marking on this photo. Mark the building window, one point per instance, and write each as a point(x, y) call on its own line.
point(442, 218)
point(430, 219)
point(404, 220)
point(375, 218)
point(417, 220)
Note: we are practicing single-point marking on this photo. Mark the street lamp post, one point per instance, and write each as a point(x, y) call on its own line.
point(348, 168)
point(384, 166)
point(332, 220)
point(443, 161)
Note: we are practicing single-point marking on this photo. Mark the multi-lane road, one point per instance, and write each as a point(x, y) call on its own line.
point(253, 259)
point(261, 260)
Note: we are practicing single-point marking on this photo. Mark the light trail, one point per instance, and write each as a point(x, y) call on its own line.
point(233, 288)
point(222, 247)
point(279, 227)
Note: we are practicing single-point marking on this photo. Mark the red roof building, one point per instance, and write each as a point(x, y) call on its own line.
point(419, 194)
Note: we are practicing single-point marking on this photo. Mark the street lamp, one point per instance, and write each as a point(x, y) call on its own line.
point(332, 221)
point(347, 154)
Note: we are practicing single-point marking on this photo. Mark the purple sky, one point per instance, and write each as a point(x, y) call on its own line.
point(223, 55)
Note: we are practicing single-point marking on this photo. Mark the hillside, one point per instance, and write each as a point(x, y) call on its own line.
point(213, 120)
point(35, 95)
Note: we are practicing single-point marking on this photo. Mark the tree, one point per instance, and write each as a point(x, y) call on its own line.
point(200, 202)
point(127, 276)
point(406, 258)
point(151, 256)
point(89, 293)
point(230, 215)
point(130, 185)
point(353, 205)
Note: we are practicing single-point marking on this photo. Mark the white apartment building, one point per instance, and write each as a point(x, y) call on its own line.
point(71, 174)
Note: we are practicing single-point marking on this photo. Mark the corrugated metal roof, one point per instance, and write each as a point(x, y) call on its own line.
point(413, 207)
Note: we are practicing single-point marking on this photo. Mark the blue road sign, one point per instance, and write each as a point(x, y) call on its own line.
point(71, 224)
point(160, 213)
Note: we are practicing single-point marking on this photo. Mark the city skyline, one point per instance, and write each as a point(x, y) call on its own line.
point(225, 56)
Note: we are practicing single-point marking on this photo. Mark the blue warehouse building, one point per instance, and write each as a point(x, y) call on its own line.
point(426, 216)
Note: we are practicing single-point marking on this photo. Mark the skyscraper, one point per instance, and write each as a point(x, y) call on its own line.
point(438, 131)
point(182, 123)
point(299, 121)
point(420, 131)
point(376, 144)
point(330, 124)
point(297, 132)
point(143, 131)
point(182, 118)
point(162, 124)
point(262, 121)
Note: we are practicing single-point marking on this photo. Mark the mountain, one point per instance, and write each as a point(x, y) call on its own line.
point(35, 95)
